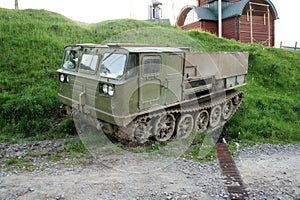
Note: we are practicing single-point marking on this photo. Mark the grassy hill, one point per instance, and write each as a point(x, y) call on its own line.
point(32, 41)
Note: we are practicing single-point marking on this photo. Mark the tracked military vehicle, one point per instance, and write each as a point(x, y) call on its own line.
point(140, 93)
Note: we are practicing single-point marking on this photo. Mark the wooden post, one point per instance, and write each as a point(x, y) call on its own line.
point(269, 28)
point(16, 4)
point(251, 25)
point(295, 46)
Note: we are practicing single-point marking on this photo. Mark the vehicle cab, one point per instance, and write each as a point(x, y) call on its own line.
point(115, 83)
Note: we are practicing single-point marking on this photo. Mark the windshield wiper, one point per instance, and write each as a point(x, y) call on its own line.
point(109, 55)
point(105, 69)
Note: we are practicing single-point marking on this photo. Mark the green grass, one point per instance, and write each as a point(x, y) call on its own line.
point(271, 110)
point(21, 163)
point(202, 148)
point(168, 36)
point(32, 43)
point(104, 30)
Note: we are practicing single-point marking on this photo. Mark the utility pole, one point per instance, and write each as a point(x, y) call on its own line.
point(220, 17)
point(16, 5)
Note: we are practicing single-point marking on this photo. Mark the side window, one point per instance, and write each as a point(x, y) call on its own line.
point(71, 59)
point(151, 65)
point(131, 68)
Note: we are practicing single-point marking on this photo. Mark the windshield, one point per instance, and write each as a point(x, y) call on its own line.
point(89, 62)
point(113, 65)
point(71, 59)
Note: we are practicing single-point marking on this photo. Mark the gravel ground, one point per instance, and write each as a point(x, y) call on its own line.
point(269, 172)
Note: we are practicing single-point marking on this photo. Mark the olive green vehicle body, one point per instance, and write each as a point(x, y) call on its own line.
point(150, 78)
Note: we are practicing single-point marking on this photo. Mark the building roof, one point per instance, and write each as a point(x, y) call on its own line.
point(210, 10)
point(237, 8)
point(205, 13)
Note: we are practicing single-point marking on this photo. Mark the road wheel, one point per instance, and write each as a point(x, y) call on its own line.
point(201, 120)
point(227, 109)
point(185, 125)
point(164, 127)
point(215, 116)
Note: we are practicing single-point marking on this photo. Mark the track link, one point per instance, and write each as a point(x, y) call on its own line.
point(230, 174)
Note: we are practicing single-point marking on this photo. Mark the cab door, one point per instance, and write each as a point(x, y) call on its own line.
point(151, 81)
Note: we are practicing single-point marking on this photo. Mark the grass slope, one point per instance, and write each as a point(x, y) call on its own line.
point(32, 44)
point(104, 30)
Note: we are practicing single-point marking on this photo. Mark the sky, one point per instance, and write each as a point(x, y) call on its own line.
point(287, 27)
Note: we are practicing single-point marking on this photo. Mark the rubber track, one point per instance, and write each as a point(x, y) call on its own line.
point(230, 174)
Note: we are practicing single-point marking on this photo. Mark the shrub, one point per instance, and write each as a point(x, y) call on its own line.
point(68, 127)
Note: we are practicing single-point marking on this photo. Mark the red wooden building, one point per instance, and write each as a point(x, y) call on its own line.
point(251, 21)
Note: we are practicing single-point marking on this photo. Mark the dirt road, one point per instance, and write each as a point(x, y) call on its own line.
point(269, 171)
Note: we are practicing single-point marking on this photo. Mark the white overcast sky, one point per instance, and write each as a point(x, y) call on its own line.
point(92, 11)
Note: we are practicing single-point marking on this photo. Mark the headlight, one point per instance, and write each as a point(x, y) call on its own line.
point(105, 89)
point(68, 79)
point(111, 91)
point(62, 78)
